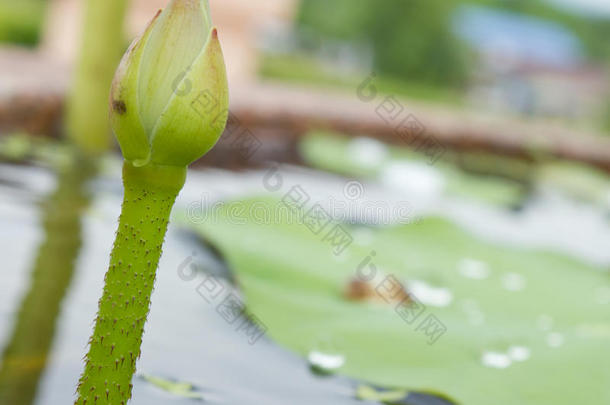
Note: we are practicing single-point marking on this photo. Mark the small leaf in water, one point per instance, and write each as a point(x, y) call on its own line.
point(400, 396)
point(366, 392)
point(180, 389)
point(420, 398)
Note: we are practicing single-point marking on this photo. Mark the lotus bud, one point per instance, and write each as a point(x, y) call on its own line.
point(169, 98)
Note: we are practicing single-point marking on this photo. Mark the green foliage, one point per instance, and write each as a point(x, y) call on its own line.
point(412, 39)
point(21, 21)
point(308, 70)
point(340, 18)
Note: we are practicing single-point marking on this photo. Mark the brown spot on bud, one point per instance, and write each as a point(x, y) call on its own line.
point(119, 106)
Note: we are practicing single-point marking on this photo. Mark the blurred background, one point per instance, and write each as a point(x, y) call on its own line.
point(453, 152)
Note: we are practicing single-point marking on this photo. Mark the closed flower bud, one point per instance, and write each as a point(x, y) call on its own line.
point(169, 99)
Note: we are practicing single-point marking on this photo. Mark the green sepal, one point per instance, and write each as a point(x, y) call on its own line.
point(192, 124)
point(124, 102)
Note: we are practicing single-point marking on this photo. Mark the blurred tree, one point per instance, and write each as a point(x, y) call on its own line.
point(20, 21)
point(411, 38)
point(346, 19)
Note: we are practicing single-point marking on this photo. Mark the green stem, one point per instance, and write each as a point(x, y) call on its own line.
point(102, 45)
point(150, 193)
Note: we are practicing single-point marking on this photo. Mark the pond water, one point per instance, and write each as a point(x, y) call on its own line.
point(187, 341)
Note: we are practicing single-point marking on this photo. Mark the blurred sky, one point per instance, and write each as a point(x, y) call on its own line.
point(586, 6)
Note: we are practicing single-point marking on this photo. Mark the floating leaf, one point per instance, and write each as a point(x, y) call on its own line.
point(370, 158)
point(577, 180)
point(177, 388)
point(558, 316)
point(399, 397)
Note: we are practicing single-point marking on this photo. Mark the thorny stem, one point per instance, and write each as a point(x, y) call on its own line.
point(150, 193)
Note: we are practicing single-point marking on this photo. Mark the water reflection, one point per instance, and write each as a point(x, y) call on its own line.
point(25, 356)
point(186, 340)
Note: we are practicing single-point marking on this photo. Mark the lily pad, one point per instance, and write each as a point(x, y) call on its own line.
point(514, 326)
point(577, 180)
point(370, 158)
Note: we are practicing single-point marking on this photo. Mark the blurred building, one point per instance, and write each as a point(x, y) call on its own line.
point(529, 66)
point(240, 25)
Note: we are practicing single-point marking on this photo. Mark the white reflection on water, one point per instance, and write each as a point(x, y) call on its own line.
point(548, 220)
